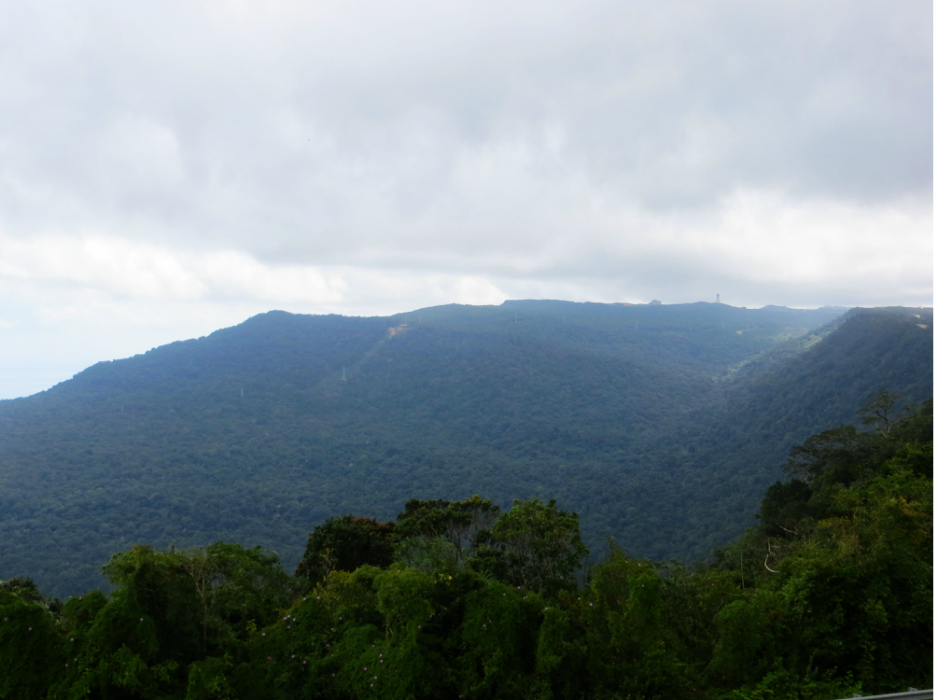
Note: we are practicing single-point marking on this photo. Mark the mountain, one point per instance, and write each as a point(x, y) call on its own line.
point(660, 425)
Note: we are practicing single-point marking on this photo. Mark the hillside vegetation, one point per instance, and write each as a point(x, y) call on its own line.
point(829, 595)
point(663, 425)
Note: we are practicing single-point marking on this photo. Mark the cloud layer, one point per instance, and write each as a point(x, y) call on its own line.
point(167, 167)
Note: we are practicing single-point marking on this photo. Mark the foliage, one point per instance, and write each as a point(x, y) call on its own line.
point(32, 653)
point(443, 533)
point(842, 597)
point(830, 595)
point(633, 652)
point(541, 545)
point(344, 544)
point(664, 424)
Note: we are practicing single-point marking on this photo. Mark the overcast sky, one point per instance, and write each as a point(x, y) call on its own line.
point(170, 168)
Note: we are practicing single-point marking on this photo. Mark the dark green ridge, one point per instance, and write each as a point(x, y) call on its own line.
point(658, 424)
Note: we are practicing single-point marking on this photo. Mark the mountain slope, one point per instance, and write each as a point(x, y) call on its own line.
point(807, 385)
point(635, 416)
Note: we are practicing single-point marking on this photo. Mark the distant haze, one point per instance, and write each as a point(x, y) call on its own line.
point(171, 168)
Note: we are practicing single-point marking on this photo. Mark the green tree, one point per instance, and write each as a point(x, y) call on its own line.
point(346, 543)
point(859, 589)
point(541, 545)
point(140, 643)
point(783, 508)
point(496, 655)
point(248, 590)
point(632, 651)
point(839, 455)
point(838, 575)
point(32, 652)
point(236, 587)
point(442, 534)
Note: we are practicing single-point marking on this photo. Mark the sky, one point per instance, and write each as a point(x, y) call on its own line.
point(170, 168)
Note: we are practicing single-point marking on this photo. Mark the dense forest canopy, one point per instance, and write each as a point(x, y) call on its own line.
point(665, 425)
point(829, 595)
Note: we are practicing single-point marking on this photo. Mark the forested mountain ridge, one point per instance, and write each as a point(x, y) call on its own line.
point(812, 380)
point(662, 423)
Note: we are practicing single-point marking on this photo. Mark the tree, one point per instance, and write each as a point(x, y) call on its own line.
point(202, 568)
point(249, 587)
point(441, 534)
point(344, 544)
point(541, 545)
point(836, 454)
point(236, 586)
point(631, 649)
point(783, 507)
point(31, 650)
point(140, 642)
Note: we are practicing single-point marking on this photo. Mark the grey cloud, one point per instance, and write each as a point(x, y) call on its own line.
point(466, 135)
